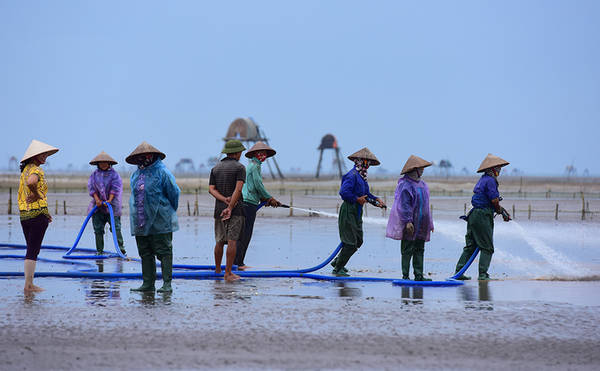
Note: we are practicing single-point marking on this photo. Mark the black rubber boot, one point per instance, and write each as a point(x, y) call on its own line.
point(485, 258)
point(166, 264)
point(343, 257)
point(99, 243)
point(148, 274)
point(418, 265)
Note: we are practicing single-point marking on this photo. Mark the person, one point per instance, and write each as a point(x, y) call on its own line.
point(225, 185)
point(153, 214)
point(253, 194)
point(410, 219)
point(480, 220)
point(105, 185)
point(33, 205)
point(355, 193)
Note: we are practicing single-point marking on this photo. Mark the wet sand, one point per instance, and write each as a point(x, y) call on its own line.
point(521, 322)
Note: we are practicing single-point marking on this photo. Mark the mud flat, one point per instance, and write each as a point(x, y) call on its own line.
point(543, 313)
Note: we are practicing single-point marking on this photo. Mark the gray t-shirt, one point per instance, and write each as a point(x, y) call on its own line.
point(224, 177)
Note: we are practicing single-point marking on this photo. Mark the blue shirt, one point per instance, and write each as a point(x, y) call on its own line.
point(354, 186)
point(485, 191)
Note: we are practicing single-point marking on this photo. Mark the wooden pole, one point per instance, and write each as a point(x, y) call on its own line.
point(291, 203)
point(582, 207)
point(64, 207)
point(188, 205)
point(465, 209)
point(529, 212)
point(556, 212)
point(514, 214)
point(56, 208)
point(9, 200)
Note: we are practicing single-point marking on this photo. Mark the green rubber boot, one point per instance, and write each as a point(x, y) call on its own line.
point(167, 273)
point(99, 243)
point(485, 258)
point(148, 274)
point(334, 262)
point(464, 258)
point(418, 265)
point(343, 257)
point(405, 266)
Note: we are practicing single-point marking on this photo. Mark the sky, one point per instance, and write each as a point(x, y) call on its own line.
point(448, 80)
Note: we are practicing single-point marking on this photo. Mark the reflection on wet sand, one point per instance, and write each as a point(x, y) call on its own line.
point(346, 291)
point(480, 299)
point(415, 298)
point(223, 290)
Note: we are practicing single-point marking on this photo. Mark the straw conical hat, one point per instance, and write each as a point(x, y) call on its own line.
point(142, 149)
point(103, 157)
point(37, 148)
point(491, 161)
point(366, 154)
point(414, 162)
point(260, 146)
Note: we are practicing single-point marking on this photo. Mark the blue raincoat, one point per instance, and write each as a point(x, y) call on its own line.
point(154, 200)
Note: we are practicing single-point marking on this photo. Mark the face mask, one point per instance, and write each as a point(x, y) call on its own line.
point(261, 156)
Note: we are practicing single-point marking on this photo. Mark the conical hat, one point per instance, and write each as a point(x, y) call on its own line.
point(37, 148)
point(103, 157)
point(260, 146)
point(142, 149)
point(365, 154)
point(414, 162)
point(491, 161)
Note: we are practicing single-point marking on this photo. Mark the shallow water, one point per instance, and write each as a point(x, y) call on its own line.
point(543, 261)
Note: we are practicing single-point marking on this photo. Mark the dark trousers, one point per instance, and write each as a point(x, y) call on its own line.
point(99, 220)
point(34, 230)
point(244, 241)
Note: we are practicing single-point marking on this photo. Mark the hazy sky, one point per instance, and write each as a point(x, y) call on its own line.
point(440, 79)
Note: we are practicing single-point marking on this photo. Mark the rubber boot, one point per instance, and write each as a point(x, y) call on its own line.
point(99, 243)
point(464, 258)
point(418, 265)
point(334, 262)
point(166, 264)
point(148, 274)
point(342, 259)
point(405, 266)
point(485, 258)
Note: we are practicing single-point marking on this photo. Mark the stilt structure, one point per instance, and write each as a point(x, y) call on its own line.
point(329, 142)
point(248, 132)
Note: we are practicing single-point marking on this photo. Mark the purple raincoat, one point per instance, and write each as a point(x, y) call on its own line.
point(105, 183)
point(411, 204)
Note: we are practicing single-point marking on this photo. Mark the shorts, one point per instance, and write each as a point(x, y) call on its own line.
point(230, 229)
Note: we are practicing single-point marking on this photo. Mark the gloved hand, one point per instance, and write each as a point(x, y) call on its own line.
point(410, 229)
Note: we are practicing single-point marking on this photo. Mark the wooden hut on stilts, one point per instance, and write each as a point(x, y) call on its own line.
point(248, 132)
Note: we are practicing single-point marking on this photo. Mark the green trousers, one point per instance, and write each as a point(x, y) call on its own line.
point(99, 220)
point(351, 233)
point(412, 250)
point(151, 247)
point(480, 232)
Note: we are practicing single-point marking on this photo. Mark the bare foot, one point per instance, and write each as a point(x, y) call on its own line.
point(242, 267)
point(218, 270)
point(32, 288)
point(231, 277)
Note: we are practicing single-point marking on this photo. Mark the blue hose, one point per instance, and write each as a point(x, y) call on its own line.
point(114, 233)
point(299, 273)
